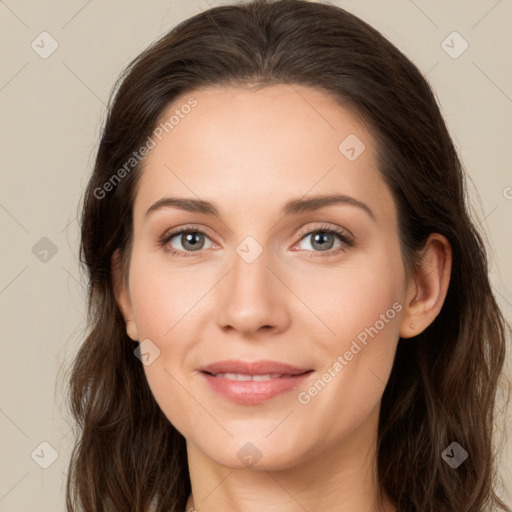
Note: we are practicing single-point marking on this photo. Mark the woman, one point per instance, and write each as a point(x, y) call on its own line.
point(276, 218)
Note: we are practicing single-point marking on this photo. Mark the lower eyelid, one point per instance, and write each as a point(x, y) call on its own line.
point(167, 238)
point(345, 240)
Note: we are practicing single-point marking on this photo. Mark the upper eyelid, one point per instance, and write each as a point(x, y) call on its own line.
point(171, 233)
point(338, 230)
point(302, 233)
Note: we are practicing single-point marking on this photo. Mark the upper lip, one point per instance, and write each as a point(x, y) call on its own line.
point(253, 368)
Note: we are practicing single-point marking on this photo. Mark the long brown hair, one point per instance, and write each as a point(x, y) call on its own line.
point(444, 383)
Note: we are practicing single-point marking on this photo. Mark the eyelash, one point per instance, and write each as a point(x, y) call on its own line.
point(345, 238)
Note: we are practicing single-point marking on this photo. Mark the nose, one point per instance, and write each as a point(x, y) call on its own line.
point(252, 298)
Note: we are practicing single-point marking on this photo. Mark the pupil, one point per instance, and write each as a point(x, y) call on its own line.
point(189, 239)
point(319, 238)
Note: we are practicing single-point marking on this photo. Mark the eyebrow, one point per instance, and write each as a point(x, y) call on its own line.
point(292, 207)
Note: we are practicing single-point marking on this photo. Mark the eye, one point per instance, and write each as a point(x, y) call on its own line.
point(189, 240)
point(323, 240)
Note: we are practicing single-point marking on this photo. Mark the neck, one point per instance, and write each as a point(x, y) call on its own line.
point(342, 480)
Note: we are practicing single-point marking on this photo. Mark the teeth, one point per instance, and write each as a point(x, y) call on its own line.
point(244, 377)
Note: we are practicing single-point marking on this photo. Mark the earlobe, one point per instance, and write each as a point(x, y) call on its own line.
point(426, 295)
point(131, 330)
point(122, 296)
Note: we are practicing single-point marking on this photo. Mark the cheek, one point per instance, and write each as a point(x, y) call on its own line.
point(363, 313)
point(365, 295)
point(163, 305)
point(366, 307)
point(358, 358)
point(367, 331)
point(164, 297)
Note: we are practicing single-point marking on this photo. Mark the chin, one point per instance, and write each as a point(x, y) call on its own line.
point(254, 453)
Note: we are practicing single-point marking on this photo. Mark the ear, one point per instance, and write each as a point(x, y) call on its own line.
point(426, 293)
point(122, 295)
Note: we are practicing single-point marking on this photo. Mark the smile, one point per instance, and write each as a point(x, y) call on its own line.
point(252, 383)
point(245, 377)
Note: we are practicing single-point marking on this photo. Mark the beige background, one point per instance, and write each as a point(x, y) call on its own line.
point(52, 112)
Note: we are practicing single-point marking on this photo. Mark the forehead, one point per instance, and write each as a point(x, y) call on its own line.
point(258, 146)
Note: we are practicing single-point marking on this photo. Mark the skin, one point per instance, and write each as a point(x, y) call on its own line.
point(248, 152)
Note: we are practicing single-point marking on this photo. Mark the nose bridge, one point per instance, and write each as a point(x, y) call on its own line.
point(250, 295)
point(250, 270)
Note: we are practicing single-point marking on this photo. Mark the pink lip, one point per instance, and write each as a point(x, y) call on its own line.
point(253, 392)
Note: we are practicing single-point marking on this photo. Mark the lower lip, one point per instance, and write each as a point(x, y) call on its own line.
point(252, 392)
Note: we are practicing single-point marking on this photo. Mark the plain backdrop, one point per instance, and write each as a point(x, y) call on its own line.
point(59, 62)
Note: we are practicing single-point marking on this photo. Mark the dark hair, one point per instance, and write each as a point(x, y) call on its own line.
point(444, 382)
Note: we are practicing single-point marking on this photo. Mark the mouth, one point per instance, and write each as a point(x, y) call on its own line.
point(252, 383)
point(243, 377)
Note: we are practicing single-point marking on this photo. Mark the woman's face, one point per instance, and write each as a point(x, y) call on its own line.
point(268, 338)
